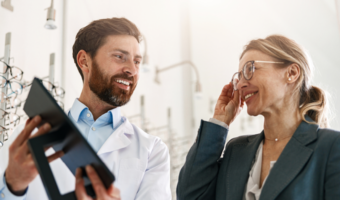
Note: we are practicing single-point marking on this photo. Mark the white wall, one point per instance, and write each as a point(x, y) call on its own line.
point(31, 43)
point(220, 29)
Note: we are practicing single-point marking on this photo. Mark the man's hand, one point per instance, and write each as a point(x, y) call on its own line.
point(21, 169)
point(228, 105)
point(101, 193)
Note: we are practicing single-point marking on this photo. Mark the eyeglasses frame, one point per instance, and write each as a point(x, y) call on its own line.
point(10, 68)
point(253, 70)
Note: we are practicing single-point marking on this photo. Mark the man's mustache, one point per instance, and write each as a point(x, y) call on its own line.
point(123, 76)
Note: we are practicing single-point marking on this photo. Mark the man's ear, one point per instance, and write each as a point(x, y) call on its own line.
point(293, 72)
point(83, 60)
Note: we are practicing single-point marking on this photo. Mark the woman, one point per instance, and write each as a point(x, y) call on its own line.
point(294, 157)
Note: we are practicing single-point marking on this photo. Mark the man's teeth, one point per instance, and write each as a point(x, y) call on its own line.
point(123, 82)
point(249, 95)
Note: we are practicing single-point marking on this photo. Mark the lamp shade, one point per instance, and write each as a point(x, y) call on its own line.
point(50, 24)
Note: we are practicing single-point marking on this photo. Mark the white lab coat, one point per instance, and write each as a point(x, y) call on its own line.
point(140, 163)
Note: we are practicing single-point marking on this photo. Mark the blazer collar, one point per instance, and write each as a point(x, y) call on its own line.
point(291, 161)
point(119, 139)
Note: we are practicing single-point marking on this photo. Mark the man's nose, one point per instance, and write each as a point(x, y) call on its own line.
point(130, 68)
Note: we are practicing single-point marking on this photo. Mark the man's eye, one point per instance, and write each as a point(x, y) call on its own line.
point(118, 56)
point(137, 62)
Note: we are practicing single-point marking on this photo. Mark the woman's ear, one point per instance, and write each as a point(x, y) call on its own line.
point(293, 73)
point(83, 59)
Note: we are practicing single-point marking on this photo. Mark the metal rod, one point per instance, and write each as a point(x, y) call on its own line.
point(198, 86)
point(4, 89)
point(142, 113)
point(51, 70)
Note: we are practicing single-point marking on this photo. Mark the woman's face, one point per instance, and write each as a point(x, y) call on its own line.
point(265, 92)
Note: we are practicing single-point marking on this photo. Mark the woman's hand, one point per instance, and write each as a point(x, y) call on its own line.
point(228, 105)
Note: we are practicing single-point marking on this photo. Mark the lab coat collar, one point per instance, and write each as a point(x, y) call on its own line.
point(119, 139)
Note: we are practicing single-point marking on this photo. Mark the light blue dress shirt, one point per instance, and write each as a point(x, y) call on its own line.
point(96, 133)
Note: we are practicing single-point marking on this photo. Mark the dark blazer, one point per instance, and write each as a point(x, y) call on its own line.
point(308, 167)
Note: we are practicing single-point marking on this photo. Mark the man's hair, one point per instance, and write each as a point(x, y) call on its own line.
point(93, 36)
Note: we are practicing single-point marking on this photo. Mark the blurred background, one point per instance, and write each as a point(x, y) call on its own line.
point(191, 50)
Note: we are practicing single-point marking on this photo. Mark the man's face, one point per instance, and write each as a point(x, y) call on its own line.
point(115, 70)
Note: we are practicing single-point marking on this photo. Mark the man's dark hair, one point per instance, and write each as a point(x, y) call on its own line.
point(93, 36)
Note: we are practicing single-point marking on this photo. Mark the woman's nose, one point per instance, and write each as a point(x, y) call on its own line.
point(242, 83)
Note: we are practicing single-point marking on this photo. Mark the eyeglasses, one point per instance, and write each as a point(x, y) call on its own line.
point(4, 131)
point(4, 115)
point(55, 90)
point(15, 72)
point(248, 71)
point(11, 101)
point(15, 86)
point(14, 119)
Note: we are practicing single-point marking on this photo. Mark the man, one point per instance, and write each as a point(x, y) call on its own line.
point(107, 56)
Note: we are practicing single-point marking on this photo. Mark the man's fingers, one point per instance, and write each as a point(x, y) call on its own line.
point(97, 184)
point(25, 134)
point(42, 130)
point(27, 121)
point(80, 188)
point(114, 192)
point(55, 156)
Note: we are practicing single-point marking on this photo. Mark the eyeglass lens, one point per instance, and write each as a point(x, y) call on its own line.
point(247, 72)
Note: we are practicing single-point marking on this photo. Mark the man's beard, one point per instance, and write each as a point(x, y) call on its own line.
point(106, 90)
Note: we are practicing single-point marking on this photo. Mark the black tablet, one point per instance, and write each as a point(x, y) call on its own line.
point(65, 136)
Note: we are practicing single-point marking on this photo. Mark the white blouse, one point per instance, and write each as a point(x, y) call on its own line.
point(253, 190)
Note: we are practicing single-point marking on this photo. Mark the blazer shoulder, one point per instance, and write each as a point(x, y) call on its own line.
point(328, 134)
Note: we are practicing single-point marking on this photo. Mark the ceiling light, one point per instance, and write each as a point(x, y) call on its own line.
point(50, 23)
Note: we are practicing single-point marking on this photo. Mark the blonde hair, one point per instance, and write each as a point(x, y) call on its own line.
point(312, 101)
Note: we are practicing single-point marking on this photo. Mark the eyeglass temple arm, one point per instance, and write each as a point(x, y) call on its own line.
point(258, 61)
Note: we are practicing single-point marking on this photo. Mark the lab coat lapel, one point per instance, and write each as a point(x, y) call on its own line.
point(292, 159)
point(241, 160)
point(118, 139)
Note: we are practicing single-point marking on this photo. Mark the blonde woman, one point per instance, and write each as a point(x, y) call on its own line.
point(295, 157)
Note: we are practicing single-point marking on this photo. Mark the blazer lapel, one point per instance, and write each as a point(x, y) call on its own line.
point(240, 163)
point(291, 161)
point(118, 139)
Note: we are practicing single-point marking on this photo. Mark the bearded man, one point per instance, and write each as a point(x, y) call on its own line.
point(107, 55)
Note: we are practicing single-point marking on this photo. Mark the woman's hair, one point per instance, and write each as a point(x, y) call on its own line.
point(312, 101)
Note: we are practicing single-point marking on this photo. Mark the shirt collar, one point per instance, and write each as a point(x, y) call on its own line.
point(112, 116)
